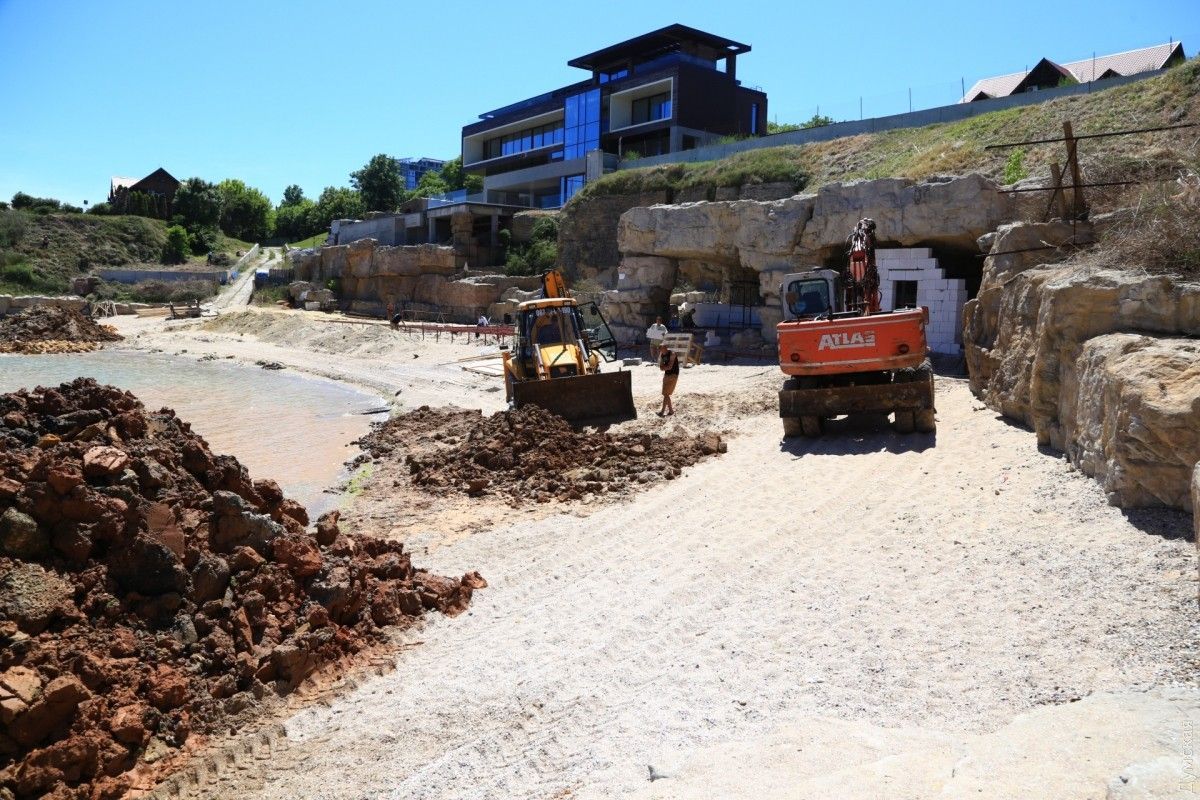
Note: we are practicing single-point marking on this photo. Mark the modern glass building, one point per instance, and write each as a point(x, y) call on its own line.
point(668, 90)
point(414, 168)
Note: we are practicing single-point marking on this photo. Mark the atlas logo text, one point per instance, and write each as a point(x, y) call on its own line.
point(845, 341)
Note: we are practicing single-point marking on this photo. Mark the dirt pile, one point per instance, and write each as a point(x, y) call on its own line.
point(530, 454)
point(149, 590)
point(47, 329)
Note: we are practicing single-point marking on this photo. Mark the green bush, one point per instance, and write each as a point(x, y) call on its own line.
point(516, 264)
point(12, 227)
point(157, 291)
point(544, 230)
point(540, 255)
point(1014, 168)
point(101, 210)
point(19, 272)
point(175, 251)
point(202, 240)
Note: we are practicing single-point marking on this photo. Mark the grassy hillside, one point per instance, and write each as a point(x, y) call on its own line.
point(958, 147)
point(42, 253)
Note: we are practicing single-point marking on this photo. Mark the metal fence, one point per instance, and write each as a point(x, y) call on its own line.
point(914, 119)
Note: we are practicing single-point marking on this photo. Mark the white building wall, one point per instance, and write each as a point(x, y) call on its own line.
point(944, 297)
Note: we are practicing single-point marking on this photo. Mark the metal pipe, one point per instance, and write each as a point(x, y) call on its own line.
point(1093, 136)
point(1072, 186)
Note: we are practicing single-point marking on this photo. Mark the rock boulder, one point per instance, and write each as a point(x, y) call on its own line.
point(1093, 360)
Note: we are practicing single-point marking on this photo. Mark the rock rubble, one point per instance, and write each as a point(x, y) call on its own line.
point(529, 454)
point(149, 589)
point(49, 329)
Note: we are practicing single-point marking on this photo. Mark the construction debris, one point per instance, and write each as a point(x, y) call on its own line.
point(48, 329)
point(149, 590)
point(529, 454)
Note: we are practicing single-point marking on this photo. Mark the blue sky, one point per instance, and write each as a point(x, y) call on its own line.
point(306, 92)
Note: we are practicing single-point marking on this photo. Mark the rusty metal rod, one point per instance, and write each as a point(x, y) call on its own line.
point(1072, 186)
point(1028, 249)
point(1093, 135)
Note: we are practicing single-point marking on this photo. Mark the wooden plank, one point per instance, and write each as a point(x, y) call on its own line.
point(684, 346)
point(491, 370)
point(1076, 175)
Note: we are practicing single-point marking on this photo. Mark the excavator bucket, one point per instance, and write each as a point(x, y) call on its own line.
point(602, 398)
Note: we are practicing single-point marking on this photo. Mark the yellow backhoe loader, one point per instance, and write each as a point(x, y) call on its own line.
point(556, 356)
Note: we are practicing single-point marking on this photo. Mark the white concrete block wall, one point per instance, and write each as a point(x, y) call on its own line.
point(943, 296)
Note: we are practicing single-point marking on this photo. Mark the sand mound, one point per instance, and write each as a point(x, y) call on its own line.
point(149, 589)
point(47, 329)
point(293, 329)
point(530, 454)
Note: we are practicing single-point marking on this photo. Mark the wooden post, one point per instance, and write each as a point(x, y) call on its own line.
point(1058, 194)
point(1078, 209)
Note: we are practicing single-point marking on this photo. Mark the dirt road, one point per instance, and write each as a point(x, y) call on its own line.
point(238, 295)
point(862, 581)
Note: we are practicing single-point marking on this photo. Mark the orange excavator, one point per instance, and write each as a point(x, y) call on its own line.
point(843, 355)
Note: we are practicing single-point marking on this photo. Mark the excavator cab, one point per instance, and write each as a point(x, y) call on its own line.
point(808, 295)
point(555, 361)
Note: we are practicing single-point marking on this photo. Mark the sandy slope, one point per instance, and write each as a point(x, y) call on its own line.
point(877, 593)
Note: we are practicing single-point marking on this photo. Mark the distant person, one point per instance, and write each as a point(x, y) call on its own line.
point(654, 335)
point(480, 323)
point(668, 362)
point(687, 316)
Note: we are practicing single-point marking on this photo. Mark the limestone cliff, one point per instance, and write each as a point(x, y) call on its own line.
point(1095, 361)
point(422, 277)
point(767, 239)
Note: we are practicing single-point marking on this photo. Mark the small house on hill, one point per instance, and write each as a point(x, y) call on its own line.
point(150, 196)
point(1047, 74)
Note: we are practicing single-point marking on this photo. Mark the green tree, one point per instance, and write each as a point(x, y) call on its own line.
point(454, 177)
point(336, 203)
point(817, 121)
point(781, 127)
point(380, 183)
point(38, 205)
point(431, 184)
point(245, 211)
point(197, 204)
point(293, 222)
point(175, 251)
point(292, 196)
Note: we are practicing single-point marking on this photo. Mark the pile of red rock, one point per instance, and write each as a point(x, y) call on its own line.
point(49, 329)
point(530, 454)
point(149, 589)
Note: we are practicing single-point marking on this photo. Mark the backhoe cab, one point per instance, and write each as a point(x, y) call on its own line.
point(556, 357)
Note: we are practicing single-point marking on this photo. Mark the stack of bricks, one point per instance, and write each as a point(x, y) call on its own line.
point(944, 297)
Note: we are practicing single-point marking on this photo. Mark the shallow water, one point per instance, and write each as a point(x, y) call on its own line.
point(294, 430)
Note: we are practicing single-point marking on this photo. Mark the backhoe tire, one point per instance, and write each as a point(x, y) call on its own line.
point(904, 422)
point(791, 427)
point(926, 421)
point(810, 426)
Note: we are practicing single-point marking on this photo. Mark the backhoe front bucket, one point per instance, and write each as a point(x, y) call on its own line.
point(602, 398)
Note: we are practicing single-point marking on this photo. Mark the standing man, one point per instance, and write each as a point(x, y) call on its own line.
point(654, 335)
point(668, 362)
